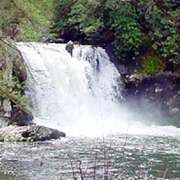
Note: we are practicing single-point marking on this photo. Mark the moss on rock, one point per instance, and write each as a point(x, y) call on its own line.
point(12, 80)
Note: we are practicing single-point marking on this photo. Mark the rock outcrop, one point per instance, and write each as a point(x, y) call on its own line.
point(28, 133)
point(11, 67)
point(15, 114)
point(155, 93)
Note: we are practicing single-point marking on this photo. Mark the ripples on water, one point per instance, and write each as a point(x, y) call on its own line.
point(116, 157)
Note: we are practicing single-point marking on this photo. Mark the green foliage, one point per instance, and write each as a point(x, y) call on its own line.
point(11, 89)
point(131, 26)
point(86, 18)
point(82, 18)
point(160, 19)
point(128, 35)
point(61, 10)
point(152, 64)
point(25, 20)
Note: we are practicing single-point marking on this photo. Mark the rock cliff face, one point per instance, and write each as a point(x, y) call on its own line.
point(11, 66)
point(155, 93)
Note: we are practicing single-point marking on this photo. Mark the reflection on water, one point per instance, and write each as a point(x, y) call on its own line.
point(111, 158)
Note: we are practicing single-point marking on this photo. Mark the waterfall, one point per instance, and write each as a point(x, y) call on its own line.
point(79, 94)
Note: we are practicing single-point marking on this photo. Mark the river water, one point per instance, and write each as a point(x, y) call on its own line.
point(115, 157)
point(81, 95)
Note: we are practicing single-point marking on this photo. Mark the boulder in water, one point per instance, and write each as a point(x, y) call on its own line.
point(70, 47)
point(28, 133)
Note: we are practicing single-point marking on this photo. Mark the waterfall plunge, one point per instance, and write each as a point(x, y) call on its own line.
point(78, 95)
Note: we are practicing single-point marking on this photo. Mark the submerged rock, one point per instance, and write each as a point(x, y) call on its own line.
point(28, 133)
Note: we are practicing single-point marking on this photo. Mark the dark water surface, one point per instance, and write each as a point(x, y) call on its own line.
point(112, 158)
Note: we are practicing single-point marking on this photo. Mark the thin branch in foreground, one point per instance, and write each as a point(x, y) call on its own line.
point(25, 14)
point(165, 173)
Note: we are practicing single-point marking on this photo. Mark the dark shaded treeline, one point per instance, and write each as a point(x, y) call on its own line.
point(142, 32)
point(145, 31)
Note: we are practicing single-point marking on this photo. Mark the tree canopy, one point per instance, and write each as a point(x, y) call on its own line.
point(25, 20)
point(138, 29)
point(143, 31)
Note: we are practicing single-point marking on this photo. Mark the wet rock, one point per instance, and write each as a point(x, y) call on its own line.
point(11, 65)
point(70, 47)
point(170, 102)
point(161, 93)
point(174, 111)
point(28, 133)
point(158, 90)
point(134, 77)
point(5, 112)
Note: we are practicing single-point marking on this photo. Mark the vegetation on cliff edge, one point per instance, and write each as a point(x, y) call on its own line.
point(136, 28)
point(147, 32)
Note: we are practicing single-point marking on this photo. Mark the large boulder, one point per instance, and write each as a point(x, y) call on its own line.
point(28, 133)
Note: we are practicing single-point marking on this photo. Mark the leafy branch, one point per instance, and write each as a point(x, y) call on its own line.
point(12, 90)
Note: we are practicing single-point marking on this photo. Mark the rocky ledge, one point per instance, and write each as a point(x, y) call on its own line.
point(28, 133)
point(155, 93)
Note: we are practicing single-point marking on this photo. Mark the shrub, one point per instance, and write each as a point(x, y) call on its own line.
point(152, 64)
point(129, 37)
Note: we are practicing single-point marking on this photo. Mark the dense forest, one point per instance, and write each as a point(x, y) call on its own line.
point(147, 32)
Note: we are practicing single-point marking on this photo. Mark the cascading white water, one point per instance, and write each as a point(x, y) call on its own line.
point(79, 94)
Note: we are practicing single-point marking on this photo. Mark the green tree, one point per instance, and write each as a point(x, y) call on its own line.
point(25, 20)
point(78, 19)
point(129, 37)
